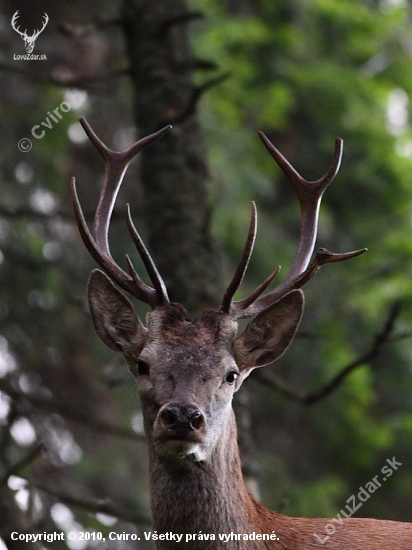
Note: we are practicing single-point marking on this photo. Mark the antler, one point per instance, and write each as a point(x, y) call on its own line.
point(13, 24)
point(310, 196)
point(97, 242)
point(37, 33)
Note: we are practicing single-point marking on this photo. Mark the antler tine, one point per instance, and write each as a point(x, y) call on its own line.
point(97, 243)
point(13, 24)
point(141, 291)
point(46, 20)
point(158, 283)
point(260, 289)
point(243, 263)
point(116, 164)
point(310, 196)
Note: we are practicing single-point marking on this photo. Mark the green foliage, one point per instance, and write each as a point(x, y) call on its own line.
point(318, 498)
point(305, 72)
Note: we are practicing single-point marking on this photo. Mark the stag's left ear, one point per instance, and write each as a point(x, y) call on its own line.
point(269, 334)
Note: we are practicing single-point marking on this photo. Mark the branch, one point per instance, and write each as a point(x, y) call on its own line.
point(79, 31)
point(84, 82)
point(197, 92)
point(94, 506)
point(5, 433)
point(309, 398)
point(27, 459)
point(205, 64)
point(68, 412)
point(67, 215)
point(178, 20)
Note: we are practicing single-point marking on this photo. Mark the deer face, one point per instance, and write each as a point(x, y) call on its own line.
point(186, 375)
point(29, 43)
point(187, 372)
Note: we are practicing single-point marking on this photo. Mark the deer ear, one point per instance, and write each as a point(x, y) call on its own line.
point(269, 334)
point(114, 317)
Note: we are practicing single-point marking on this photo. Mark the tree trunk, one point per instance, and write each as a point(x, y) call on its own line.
point(174, 172)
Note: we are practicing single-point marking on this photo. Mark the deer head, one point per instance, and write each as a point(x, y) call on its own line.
point(29, 41)
point(187, 372)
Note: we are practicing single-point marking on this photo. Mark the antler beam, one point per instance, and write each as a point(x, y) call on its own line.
point(97, 241)
point(309, 195)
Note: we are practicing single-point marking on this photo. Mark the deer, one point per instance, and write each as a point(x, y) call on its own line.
point(188, 371)
point(29, 41)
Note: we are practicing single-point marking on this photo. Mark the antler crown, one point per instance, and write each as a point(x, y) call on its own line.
point(302, 269)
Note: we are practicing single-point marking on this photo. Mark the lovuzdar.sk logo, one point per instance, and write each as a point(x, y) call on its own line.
point(29, 40)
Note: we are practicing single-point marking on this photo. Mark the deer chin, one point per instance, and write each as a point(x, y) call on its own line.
point(182, 450)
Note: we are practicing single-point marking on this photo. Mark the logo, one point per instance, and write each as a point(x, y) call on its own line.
point(29, 41)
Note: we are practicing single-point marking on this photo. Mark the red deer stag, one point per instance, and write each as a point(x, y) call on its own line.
point(187, 373)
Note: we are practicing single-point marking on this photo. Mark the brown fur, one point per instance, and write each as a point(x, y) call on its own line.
point(196, 480)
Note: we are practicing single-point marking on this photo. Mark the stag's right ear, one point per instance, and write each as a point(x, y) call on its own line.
point(114, 317)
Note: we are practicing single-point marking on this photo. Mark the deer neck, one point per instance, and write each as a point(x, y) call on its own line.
point(208, 497)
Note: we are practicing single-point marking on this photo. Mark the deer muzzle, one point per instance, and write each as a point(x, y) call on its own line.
point(178, 421)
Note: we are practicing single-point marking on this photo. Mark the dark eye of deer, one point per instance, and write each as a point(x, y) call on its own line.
point(142, 368)
point(231, 377)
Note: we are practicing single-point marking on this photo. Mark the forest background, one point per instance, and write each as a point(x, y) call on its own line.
point(322, 422)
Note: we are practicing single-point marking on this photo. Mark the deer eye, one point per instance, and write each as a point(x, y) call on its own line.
point(142, 368)
point(231, 377)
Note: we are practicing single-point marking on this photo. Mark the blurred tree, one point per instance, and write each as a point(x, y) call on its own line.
point(72, 455)
point(175, 178)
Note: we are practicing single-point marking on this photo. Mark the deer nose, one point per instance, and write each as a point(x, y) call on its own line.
point(181, 418)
